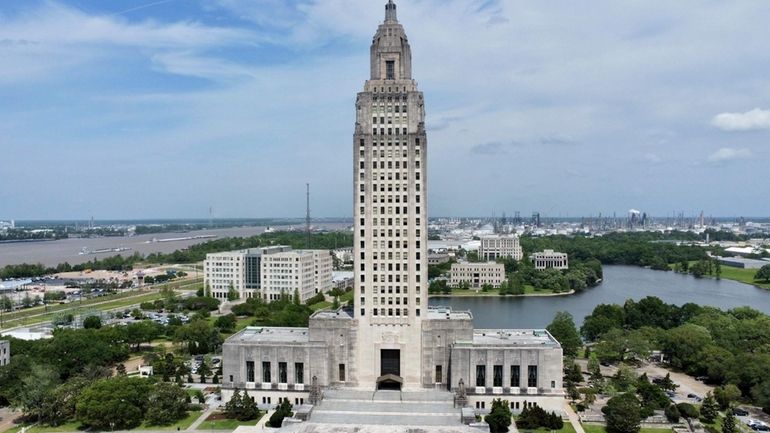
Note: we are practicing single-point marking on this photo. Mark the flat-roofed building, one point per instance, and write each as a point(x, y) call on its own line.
point(437, 258)
point(323, 267)
point(477, 274)
point(283, 363)
point(288, 272)
point(500, 247)
point(5, 352)
point(547, 259)
point(238, 270)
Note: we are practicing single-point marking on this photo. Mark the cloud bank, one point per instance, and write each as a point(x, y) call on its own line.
point(750, 120)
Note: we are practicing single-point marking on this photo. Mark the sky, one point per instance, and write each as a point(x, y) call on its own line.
point(164, 109)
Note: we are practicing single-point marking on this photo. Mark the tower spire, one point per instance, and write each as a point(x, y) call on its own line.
point(390, 12)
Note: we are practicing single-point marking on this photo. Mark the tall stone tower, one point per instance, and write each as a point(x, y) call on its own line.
point(390, 212)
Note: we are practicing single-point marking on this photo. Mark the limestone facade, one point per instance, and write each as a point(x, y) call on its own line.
point(389, 336)
point(477, 275)
point(268, 272)
point(499, 247)
point(550, 259)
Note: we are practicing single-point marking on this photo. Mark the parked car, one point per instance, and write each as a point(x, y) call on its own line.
point(740, 412)
point(691, 395)
point(702, 378)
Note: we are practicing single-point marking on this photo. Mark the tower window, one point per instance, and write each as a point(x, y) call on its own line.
point(390, 69)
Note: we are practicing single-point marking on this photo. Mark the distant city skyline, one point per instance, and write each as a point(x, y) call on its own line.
point(162, 109)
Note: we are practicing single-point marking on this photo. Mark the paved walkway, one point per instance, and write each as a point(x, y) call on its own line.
point(573, 418)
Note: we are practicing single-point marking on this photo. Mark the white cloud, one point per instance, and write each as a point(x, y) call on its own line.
point(726, 154)
point(748, 121)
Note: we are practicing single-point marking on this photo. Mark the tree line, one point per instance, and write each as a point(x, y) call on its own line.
point(728, 348)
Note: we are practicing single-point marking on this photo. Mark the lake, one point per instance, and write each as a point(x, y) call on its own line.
point(620, 283)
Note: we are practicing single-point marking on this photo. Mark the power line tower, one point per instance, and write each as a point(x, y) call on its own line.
point(307, 216)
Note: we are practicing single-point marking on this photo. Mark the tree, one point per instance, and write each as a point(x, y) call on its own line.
point(709, 409)
point(499, 417)
point(117, 403)
point(687, 410)
point(565, 332)
point(92, 322)
point(667, 383)
point(763, 274)
point(726, 395)
point(594, 367)
point(672, 414)
point(226, 323)
point(167, 404)
point(35, 386)
point(336, 303)
point(728, 424)
point(761, 394)
point(120, 369)
point(5, 303)
point(59, 405)
point(282, 411)
point(204, 371)
point(623, 414)
point(232, 294)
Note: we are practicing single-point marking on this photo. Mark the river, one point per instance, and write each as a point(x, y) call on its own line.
point(51, 253)
point(620, 283)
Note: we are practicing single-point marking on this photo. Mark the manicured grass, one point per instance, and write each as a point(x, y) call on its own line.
point(75, 426)
point(320, 305)
point(226, 424)
point(70, 426)
point(182, 424)
point(566, 429)
point(742, 275)
point(595, 428)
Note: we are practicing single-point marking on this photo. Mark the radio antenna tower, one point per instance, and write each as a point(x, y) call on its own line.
point(307, 216)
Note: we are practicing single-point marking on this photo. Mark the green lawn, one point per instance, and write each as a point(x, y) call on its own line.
point(226, 424)
point(736, 274)
point(182, 424)
point(320, 306)
point(742, 275)
point(70, 426)
point(75, 425)
point(595, 428)
point(566, 429)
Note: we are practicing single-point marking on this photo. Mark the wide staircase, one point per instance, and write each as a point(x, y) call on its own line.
point(386, 407)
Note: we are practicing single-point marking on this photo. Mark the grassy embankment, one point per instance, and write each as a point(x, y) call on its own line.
point(737, 274)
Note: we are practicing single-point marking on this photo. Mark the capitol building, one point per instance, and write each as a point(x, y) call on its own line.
point(390, 342)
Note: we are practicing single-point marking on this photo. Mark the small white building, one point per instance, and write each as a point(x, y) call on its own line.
point(477, 274)
point(550, 259)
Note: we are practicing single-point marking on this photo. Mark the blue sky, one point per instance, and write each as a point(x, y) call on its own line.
point(151, 109)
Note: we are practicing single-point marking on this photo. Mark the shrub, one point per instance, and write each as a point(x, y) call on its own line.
point(672, 414)
point(282, 411)
point(687, 410)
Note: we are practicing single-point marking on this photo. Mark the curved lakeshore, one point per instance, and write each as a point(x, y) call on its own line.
point(620, 283)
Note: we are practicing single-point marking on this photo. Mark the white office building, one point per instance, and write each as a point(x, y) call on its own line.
point(500, 247)
point(477, 275)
